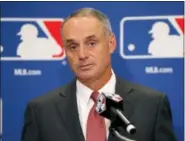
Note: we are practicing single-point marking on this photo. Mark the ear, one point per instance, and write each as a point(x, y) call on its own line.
point(112, 43)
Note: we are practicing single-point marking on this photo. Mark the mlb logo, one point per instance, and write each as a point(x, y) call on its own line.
point(31, 39)
point(116, 97)
point(101, 104)
point(152, 37)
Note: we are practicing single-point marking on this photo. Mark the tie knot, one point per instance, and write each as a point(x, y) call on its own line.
point(94, 96)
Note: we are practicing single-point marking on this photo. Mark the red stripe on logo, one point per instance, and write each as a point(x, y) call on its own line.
point(180, 22)
point(54, 29)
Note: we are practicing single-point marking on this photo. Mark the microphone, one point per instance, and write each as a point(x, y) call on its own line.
point(110, 106)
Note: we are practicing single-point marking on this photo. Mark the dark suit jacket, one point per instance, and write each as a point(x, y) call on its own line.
point(54, 116)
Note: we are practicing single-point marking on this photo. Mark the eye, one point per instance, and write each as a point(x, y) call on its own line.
point(92, 44)
point(73, 47)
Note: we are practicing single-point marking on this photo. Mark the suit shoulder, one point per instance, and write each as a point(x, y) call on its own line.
point(50, 96)
point(143, 96)
point(140, 90)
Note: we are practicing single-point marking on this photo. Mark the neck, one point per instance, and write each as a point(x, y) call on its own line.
point(98, 82)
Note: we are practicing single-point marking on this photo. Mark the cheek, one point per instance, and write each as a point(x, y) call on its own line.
point(102, 55)
point(71, 59)
point(104, 51)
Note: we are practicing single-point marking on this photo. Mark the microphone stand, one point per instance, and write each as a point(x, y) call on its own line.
point(119, 136)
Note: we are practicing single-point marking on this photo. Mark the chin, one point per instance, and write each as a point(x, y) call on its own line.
point(86, 76)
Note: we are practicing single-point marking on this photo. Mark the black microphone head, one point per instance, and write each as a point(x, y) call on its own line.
point(105, 102)
point(114, 100)
point(110, 106)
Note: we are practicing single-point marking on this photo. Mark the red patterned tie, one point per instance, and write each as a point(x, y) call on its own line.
point(95, 124)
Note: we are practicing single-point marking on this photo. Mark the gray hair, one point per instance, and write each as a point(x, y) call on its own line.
point(83, 12)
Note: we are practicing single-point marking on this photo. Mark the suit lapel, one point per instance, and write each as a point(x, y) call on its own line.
point(124, 90)
point(69, 112)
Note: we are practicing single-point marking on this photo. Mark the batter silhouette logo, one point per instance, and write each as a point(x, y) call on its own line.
point(31, 39)
point(152, 37)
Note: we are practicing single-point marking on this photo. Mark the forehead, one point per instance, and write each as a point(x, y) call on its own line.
point(81, 27)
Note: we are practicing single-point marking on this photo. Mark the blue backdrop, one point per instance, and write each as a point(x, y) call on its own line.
point(23, 79)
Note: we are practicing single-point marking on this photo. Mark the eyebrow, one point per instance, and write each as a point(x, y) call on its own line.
point(69, 41)
point(88, 37)
point(91, 37)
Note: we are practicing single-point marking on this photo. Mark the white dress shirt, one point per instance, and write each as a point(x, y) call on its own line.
point(85, 103)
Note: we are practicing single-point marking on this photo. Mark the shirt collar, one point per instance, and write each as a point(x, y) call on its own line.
point(84, 93)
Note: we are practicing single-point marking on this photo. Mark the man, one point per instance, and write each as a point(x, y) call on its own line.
point(67, 114)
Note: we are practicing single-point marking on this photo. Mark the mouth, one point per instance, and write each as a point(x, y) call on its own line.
point(85, 67)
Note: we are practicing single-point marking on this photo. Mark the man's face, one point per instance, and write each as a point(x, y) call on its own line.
point(88, 48)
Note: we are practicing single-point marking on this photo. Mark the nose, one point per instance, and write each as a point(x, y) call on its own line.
point(83, 53)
